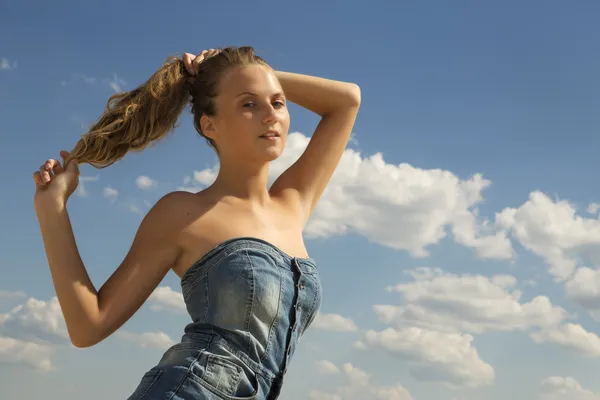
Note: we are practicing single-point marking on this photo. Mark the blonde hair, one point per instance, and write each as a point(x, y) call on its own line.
point(136, 119)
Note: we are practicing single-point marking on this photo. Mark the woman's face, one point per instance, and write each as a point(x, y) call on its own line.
point(250, 103)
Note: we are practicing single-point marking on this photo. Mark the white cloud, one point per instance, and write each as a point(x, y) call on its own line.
point(553, 231)
point(145, 182)
point(397, 392)
point(6, 295)
point(564, 388)
point(356, 375)
point(593, 208)
point(116, 83)
point(435, 356)
point(110, 193)
point(584, 289)
point(166, 299)
point(359, 386)
point(29, 333)
point(81, 190)
point(191, 185)
point(398, 206)
point(571, 337)
point(206, 177)
point(326, 367)
point(37, 321)
point(334, 322)
point(468, 303)
point(152, 340)
point(5, 64)
point(134, 209)
point(34, 355)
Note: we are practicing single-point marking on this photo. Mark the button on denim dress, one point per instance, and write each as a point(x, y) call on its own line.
point(250, 303)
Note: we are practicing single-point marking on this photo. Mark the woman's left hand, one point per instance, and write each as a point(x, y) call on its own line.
point(192, 61)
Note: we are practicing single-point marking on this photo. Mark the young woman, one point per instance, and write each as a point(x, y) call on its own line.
point(248, 283)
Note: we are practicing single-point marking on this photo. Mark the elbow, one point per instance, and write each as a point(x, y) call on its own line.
point(354, 94)
point(83, 340)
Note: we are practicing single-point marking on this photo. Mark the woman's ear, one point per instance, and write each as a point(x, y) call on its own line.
point(208, 127)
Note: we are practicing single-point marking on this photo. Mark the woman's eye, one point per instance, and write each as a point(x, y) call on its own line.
point(247, 105)
point(279, 103)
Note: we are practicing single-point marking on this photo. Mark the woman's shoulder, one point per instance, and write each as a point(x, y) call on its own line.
point(177, 208)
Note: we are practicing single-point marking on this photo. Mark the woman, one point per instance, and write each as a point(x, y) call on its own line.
point(247, 280)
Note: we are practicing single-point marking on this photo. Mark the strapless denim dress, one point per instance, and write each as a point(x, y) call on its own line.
point(250, 304)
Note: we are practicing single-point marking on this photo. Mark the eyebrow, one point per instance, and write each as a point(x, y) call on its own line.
point(281, 94)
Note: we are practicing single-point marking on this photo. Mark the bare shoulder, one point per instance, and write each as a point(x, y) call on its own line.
point(174, 201)
point(171, 213)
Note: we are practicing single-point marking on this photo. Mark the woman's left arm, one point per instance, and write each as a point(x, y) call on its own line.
point(337, 103)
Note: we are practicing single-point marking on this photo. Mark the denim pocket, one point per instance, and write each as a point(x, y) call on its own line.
point(148, 380)
point(224, 378)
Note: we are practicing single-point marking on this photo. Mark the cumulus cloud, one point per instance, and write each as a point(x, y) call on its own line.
point(34, 355)
point(205, 177)
point(359, 386)
point(334, 322)
point(110, 193)
point(200, 180)
point(151, 340)
point(552, 230)
point(326, 367)
point(30, 333)
point(434, 356)
point(145, 182)
point(164, 298)
point(571, 337)
point(584, 288)
point(37, 321)
point(593, 208)
point(466, 303)
point(564, 388)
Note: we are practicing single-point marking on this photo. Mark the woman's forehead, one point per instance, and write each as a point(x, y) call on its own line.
point(253, 79)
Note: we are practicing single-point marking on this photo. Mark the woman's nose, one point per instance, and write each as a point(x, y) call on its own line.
point(270, 115)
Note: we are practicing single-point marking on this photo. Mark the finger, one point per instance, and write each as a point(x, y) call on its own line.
point(72, 163)
point(50, 163)
point(211, 53)
point(58, 168)
point(196, 61)
point(37, 179)
point(52, 166)
point(187, 62)
point(48, 169)
point(44, 175)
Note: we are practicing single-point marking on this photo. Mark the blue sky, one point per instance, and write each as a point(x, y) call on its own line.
point(457, 243)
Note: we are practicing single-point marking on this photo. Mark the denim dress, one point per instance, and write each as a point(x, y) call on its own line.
point(250, 303)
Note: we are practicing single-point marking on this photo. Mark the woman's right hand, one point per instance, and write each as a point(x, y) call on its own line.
point(54, 182)
point(191, 61)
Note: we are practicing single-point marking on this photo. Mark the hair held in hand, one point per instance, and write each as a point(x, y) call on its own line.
point(136, 119)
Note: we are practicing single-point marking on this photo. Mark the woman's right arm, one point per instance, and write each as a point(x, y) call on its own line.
point(92, 315)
